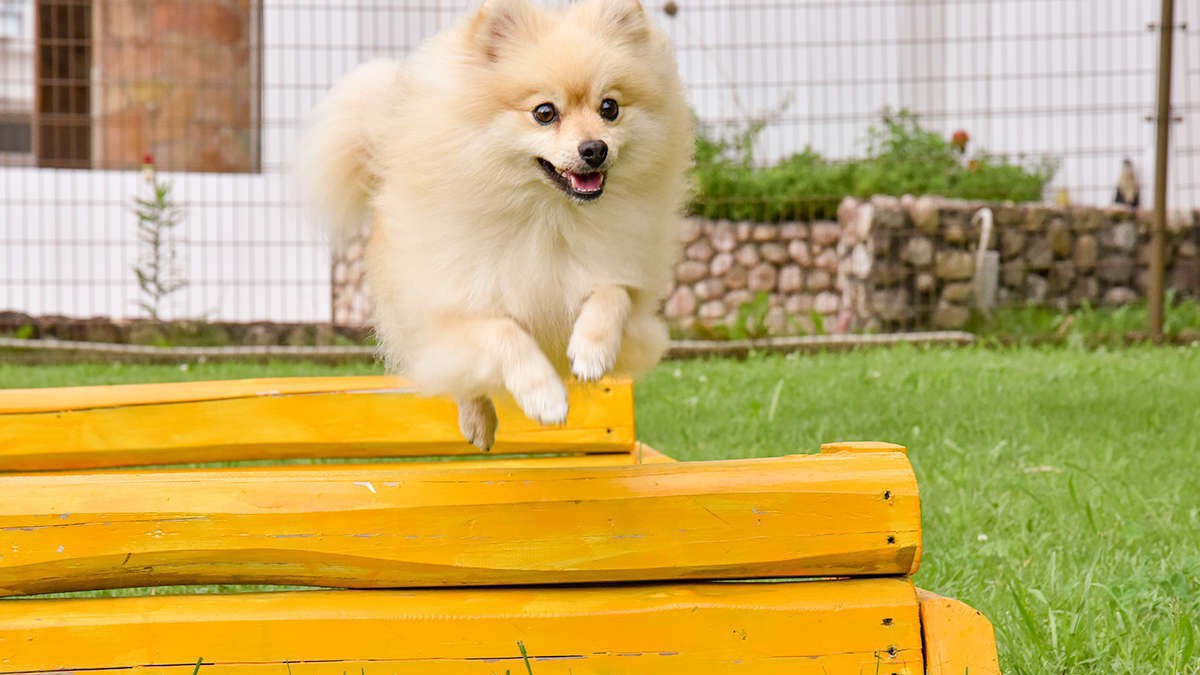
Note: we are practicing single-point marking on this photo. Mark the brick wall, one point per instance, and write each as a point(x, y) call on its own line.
point(177, 79)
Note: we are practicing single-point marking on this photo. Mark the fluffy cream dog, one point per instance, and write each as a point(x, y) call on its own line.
point(523, 173)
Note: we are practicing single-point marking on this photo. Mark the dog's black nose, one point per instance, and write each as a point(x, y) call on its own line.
point(593, 152)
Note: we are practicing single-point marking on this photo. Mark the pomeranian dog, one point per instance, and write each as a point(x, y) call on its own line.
point(523, 176)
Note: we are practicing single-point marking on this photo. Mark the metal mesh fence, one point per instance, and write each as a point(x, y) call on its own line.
point(214, 91)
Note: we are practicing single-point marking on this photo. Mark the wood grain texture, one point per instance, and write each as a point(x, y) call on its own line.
point(132, 425)
point(388, 526)
point(799, 628)
point(58, 399)
point(648, 455)
point(958, 638)
point(862, 446)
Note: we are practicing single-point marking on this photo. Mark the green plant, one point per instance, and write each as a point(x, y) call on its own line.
point(750, 323)
point(1086, 325)
point(158, 271)
point(901, 157)
point(24, 332)
point(818, 322)
point(904, 158)
point(751, 319)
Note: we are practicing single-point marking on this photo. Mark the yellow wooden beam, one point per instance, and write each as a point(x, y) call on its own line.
point(388, 526)
point(799, 628)
point(862, 446)
point(648, 455)
point(58, 399)
point(958, 639)
point(132, 425)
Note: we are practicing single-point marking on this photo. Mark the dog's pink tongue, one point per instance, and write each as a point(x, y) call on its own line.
point(588, 182)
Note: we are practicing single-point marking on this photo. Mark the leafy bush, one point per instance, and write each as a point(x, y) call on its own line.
point(902, 157)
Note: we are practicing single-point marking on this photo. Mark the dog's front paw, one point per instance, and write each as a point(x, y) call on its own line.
point(477, 422)
point(540, 394)
point(596, 336)
point(591, 359)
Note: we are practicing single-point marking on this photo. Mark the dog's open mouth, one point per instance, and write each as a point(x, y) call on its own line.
point(582, 186)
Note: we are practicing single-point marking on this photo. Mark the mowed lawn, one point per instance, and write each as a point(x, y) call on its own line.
point(1060, 488)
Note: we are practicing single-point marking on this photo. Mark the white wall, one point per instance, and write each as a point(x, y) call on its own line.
point(1068, 78)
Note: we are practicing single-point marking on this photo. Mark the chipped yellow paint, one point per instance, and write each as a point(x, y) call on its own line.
point(862, 446)
point(801, 628)
point(131, 425)
point(958, 639)
point(388, 526)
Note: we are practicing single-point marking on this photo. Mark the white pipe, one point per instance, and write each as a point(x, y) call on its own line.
point(983, 216)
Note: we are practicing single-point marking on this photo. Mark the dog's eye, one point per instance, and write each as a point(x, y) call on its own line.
point(545, 113)
point(609, 109)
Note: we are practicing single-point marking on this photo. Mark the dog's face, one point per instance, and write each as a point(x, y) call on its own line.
point(575, 97)
point(575, 145)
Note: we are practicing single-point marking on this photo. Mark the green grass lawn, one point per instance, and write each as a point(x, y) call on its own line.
point(1061, 487)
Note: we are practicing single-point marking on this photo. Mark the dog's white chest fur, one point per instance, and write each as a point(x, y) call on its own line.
point(527, 271)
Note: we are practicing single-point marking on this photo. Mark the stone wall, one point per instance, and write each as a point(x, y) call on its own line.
point(176, 79)
point(726, 265)
point(1061, 257)
point(891, 264)
point(350, 294)
point(177, 333)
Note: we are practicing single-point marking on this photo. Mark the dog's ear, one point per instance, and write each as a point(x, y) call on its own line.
point(624, 17)
point(499, 23)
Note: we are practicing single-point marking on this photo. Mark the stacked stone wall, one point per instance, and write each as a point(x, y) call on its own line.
point(889, 264)
point(1059, 257)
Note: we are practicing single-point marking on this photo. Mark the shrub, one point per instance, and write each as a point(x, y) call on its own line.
point(902, 157)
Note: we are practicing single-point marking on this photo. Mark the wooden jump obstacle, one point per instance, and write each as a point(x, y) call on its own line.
point(571, 551)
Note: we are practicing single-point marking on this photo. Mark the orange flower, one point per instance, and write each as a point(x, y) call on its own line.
point(960, 139)
point(148, 168)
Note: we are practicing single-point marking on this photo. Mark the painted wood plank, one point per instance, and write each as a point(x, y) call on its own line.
point(852, 626)
point(648, 455)
point(388, 526)
point(464, 462)
point(58, 399)
point(278, 419)
point(862, 446)
point(958, 638)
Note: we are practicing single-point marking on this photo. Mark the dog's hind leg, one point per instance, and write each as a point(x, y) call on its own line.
point(471, 357)
point(643, 344)
point(477, 421)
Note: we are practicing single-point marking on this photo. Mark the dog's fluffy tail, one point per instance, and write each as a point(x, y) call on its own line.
point(336, 165)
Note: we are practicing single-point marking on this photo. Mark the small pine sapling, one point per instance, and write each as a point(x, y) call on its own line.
point(158, 271)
